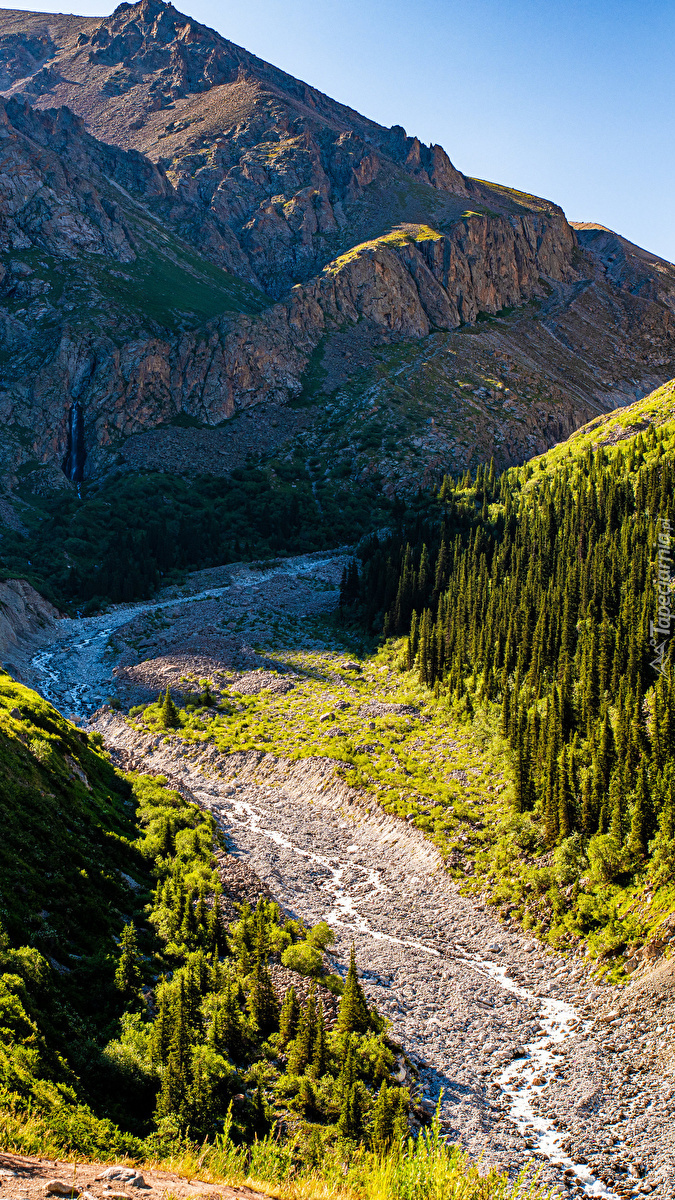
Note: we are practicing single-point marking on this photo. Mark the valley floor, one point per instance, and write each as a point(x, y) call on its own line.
point(533, 1063)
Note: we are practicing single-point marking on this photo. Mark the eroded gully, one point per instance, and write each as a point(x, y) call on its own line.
point(436, 964)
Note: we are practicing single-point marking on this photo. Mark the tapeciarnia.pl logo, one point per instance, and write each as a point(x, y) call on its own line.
point(659, 630)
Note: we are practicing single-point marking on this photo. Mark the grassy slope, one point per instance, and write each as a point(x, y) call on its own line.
point(69, 879)
point(658, 408)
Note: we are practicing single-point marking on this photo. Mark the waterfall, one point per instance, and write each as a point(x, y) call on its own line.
point(73, 463)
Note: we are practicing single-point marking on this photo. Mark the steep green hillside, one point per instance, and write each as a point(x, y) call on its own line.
point(128, 1009)
point(69, 878)
point(528, 605)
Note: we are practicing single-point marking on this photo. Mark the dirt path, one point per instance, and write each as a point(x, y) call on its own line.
point(26, 1178)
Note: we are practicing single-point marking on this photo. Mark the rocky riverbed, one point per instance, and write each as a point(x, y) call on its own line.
point(532, 1061)
point(210, 627)
point(518, 1044)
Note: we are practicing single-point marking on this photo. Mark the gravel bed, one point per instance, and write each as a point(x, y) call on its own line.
point(511, 1038)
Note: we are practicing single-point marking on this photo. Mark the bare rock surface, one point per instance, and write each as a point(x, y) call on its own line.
point(188, 228)
point(206, 630)
point(24, 613)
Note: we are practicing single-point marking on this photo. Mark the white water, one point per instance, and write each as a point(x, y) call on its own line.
point(73, 674)
point(558, 1020)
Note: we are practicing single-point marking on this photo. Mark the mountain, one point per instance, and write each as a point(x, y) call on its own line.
point(189, 232)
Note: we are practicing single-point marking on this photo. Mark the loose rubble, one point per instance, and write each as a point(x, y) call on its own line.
point(503, 1030)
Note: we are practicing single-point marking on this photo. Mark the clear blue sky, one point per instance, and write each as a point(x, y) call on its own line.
point(569, 99)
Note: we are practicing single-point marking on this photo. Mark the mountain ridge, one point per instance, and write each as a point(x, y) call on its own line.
point(201, 234)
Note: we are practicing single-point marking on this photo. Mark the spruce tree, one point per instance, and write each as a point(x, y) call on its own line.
point(128, 974)
point(168, 714)
point(382, 1127)
point(288, 1019)
point(301, 1052)
point(320, 1050)
point(637, 838)
point(263, 1004)
point(353, 1016)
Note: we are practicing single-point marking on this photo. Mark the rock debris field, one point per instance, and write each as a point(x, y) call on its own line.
point(534, 1062)
point(513, 1040)
point(207, 628)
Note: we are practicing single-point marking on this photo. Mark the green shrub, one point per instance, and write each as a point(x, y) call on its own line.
point(606, 857)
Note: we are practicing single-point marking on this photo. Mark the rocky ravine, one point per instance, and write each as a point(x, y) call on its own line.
point(530, 1061)
point(536, 1062)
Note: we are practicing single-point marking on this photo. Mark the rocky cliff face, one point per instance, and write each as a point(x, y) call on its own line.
point(187, 237)
point(272, 178)
point(23, 614)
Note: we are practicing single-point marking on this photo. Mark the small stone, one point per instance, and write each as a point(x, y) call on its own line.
point(58, 1187)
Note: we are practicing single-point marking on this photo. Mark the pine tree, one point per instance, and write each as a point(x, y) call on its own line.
point(353, 1016)
point(615, 806)
point(215, 938)
point(168, 714)
point(320, 1050)
point(564, 798)
point(301, 1052)
point(128, 974)
point(187, 934)
point(288, 1019)
point(263, 1004)
point(382, 1128)
point(637, 838)
point(176, 1078)
point(349, 1124)
point(161, 1030)
point(167, 846)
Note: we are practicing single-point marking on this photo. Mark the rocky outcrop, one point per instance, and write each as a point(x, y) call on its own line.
point(404, 286)
point(270, 174)
point(628, 266)
point(23, 613)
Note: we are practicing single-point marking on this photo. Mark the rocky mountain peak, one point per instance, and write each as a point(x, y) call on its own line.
point(189, 230)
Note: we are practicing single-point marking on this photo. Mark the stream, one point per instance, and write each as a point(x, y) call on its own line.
point(434, 963)
point(74, 671)
point(558, 1019)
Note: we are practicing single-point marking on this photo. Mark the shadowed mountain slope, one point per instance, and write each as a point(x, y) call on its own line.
point(208, 234)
